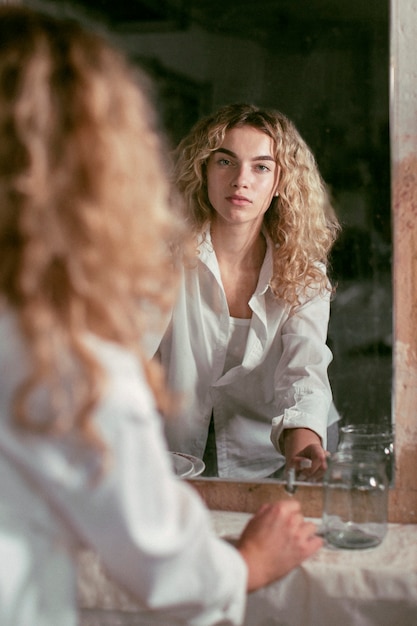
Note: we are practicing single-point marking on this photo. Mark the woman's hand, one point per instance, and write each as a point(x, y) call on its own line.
point(304, 452)
point(275, 541)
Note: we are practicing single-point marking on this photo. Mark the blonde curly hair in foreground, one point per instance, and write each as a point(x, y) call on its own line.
point(85, 216)
point(300, 221)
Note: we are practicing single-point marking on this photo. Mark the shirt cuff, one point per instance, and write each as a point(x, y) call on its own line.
point(297, 418)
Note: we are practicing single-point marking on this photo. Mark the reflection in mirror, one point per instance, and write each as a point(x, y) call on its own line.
point(325, 65)
point(247, 338)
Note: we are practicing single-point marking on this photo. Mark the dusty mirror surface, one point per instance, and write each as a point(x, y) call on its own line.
point(325, 65)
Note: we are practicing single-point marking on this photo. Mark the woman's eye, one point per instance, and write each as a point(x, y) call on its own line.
point(262, 168)
point(224, 162)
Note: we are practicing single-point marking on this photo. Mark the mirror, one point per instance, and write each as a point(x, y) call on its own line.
point(325, 65)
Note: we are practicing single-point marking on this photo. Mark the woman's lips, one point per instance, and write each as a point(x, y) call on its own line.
point(238, 200)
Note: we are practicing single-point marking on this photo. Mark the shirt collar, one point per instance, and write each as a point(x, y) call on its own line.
point(208, 257)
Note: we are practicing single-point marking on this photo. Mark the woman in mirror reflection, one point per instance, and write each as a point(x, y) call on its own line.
point(246, 343)
point(85, 218)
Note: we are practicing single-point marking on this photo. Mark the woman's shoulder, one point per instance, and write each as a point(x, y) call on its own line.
point(126, 383)
point(8, 320)
point(12, 349)
point(114, 358)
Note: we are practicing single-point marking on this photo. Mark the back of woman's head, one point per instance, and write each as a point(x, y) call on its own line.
point(84, 210)
point(80, 169)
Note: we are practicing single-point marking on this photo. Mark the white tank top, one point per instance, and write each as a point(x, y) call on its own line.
point(238, 335)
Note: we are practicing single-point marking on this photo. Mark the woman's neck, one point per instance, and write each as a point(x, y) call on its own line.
point(240, 260)
point(239, 248)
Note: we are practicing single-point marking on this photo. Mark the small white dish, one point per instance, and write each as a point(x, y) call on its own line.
point(197, 465)
point(182, 466)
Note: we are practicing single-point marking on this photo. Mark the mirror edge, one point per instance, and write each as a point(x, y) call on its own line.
point(248, 496)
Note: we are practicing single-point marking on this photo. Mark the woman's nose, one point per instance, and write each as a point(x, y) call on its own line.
point(240, 178)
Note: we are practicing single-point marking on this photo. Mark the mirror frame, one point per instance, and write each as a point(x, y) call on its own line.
point(248, 496)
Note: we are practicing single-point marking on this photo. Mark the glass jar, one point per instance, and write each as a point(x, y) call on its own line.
point(355, 510)
point(369, 437)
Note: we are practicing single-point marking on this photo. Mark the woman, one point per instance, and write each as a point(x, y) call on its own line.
point(84, 266)
point(247, 338)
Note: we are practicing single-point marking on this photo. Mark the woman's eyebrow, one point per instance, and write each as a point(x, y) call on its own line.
point(234, 155)
point(225, 151)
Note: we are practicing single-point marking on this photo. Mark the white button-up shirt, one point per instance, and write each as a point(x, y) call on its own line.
point(280, 383)
point(150, 530)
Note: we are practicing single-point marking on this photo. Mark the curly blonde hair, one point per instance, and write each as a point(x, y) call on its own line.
point(300, 221)
point(86, 219)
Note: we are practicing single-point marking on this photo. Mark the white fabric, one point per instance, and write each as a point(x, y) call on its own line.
point(281, 383)
point(238, 336)
point(372, 587)
point(151, 531)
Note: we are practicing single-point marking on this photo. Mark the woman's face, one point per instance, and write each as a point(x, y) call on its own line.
point(242, 176)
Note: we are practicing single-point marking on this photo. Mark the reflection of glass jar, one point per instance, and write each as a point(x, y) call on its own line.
point(369, 437)
point(355, 500)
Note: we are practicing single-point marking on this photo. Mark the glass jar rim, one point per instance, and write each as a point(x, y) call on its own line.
point(367, 430)
point(354, 455)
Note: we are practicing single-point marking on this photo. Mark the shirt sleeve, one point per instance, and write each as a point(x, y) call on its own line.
point(149, 528)
point(164, 550)
point(302, 389)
